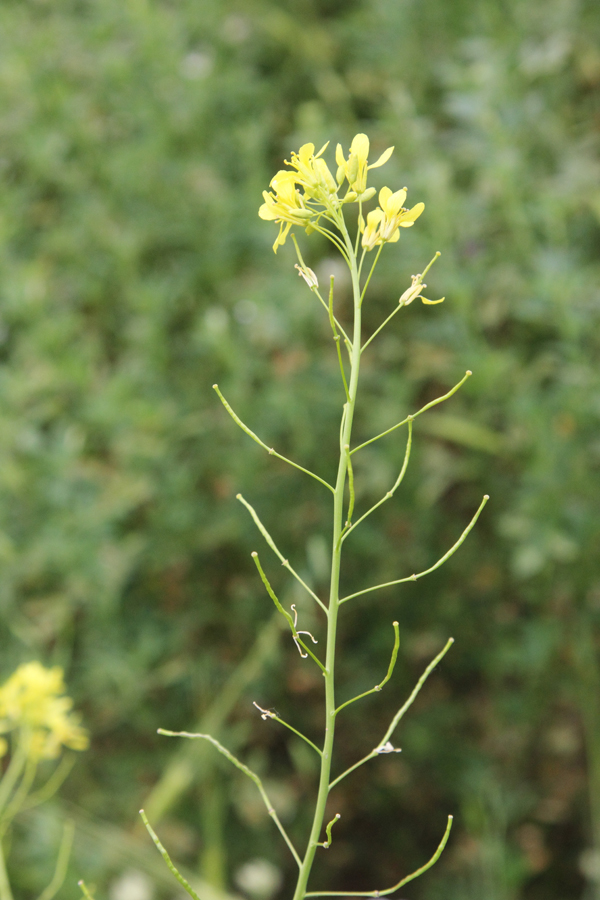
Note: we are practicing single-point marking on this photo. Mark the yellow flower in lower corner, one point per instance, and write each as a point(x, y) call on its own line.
point(32, 703)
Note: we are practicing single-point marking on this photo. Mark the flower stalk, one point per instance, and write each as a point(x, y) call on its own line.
point(307, 195)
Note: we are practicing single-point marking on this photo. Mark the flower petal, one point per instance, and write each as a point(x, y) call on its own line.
point(281, 177)
point(412, 214)
point(395, 202)
point(382, 159)
point(375, 216)
point(266, 212)
point(322, 170)
point(305, 152)
point(384, 195)
point(360, 146)
point(283, 233)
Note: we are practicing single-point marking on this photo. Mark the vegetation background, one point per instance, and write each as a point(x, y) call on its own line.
point(136, 137)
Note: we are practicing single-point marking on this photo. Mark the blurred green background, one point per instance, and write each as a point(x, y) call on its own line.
point(136, 137)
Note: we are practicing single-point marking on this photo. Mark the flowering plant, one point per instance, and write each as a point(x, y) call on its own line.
point(37, 722)
point(308, 196)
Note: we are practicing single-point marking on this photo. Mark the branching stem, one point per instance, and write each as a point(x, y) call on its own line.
point(315, 290)
point(387, 677)
point(243, 768)
point(423, 409)
point(284, 562)
point(170, 865)
point(402, 881)
point(432, 568)
point(327, 844)
point(392, 490)
point(383, 746)
point(262, 444)
point(273, 596)
point(268, 714)
point(375, 261)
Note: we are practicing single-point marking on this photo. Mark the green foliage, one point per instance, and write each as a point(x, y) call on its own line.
point(135, 140)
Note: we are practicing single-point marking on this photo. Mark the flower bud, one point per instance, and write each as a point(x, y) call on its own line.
point(352, 170)
point(366, 195)
point(324, 175)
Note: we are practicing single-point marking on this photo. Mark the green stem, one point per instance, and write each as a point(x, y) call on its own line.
point(243, 768)
point(12, 774)
point(440, 562)
point(403, 881)
point(392, 490)
point(262, 444)
point(315, 289)
point(375, 261)
point(334, 598)
point(5, 891)
point(284, 562)
point(62, 863)
point(267, 714)
point(177, 874)
point(18, 798)
point(381, 327)
point(399, 715)
point(390, 670)
point(419, 412)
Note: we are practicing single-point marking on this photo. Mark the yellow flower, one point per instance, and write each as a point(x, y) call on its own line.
point(355, 168)
point(31, 702)
point(384, 223)
point(313, 174)
point(286, 206)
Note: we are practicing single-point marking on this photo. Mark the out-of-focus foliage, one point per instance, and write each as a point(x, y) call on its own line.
point(135, 140)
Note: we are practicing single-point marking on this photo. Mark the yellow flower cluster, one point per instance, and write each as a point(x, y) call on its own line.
point(32, 704)
point(286, 205)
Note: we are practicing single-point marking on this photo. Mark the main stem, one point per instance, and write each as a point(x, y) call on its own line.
point(334, 594)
